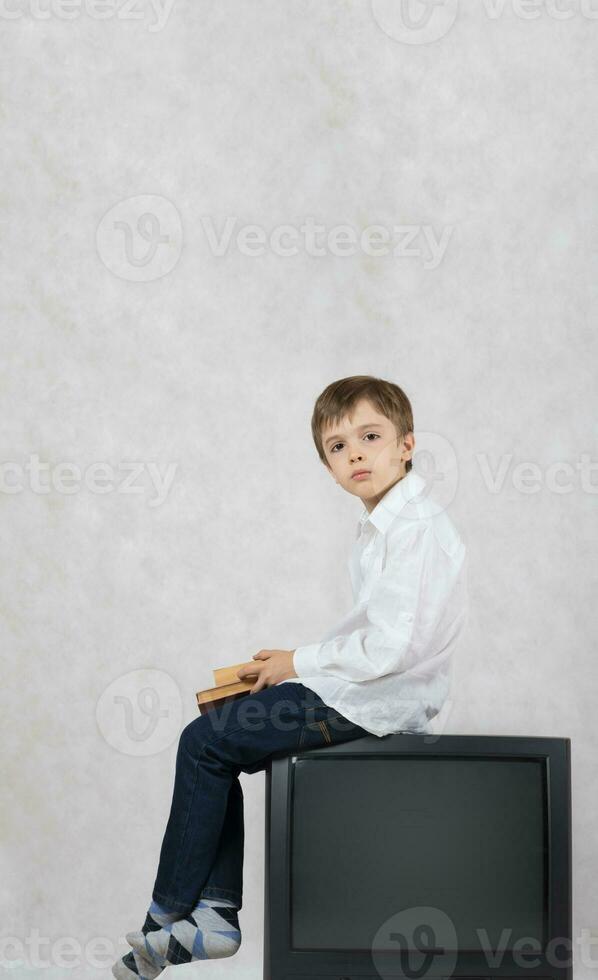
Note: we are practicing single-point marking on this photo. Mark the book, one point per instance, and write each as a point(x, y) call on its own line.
point(228, 687)
point(228, 675)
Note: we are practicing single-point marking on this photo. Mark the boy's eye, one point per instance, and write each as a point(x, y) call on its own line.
point(374, 434)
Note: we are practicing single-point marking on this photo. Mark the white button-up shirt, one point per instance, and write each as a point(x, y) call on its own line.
point(386, 665)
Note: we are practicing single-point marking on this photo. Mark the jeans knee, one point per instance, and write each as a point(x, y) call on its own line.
point(193, 735)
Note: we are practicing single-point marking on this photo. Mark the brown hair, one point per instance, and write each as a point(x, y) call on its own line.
point(340, 397)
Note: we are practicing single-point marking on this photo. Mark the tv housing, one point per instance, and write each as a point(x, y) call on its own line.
point(417, 855)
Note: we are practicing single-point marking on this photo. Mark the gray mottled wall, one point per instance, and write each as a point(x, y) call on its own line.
point(210, 211)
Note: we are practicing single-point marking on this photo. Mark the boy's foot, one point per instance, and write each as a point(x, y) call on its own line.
point(210, 931)
point(157, 917)
point(135, 966)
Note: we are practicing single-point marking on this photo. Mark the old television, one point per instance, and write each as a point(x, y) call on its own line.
point(417, 855)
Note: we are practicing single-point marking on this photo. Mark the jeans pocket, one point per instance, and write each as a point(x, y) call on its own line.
point(330, 728)
point(313, 734)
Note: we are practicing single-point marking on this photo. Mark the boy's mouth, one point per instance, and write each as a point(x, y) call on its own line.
point(360, 474)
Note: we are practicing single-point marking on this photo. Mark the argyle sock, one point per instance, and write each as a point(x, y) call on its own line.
point(157, 917)
point(210, 931)
point(135, 966)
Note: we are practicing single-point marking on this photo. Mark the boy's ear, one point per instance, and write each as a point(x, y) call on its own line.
point(408, 438)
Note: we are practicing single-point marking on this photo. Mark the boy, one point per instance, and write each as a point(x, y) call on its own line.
point(384, 668)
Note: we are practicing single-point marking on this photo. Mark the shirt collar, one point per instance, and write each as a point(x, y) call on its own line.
point(392, 502)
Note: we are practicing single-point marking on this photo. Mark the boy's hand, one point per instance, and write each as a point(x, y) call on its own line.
point(275, 666)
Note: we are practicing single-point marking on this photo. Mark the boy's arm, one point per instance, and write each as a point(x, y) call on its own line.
point(402, 611)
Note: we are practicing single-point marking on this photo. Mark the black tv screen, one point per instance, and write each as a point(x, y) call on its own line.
point(464, 835)
point(416, 855)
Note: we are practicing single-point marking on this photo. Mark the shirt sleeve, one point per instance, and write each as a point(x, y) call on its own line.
point(407, 594)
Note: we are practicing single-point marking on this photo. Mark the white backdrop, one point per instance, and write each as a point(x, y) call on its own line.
point(210, 211)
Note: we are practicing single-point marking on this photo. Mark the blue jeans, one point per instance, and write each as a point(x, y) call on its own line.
point(202, 849)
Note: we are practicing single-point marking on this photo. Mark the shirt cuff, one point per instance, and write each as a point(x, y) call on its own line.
point(305, 660)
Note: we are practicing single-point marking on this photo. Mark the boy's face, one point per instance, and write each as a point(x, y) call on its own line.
point(367, 442)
